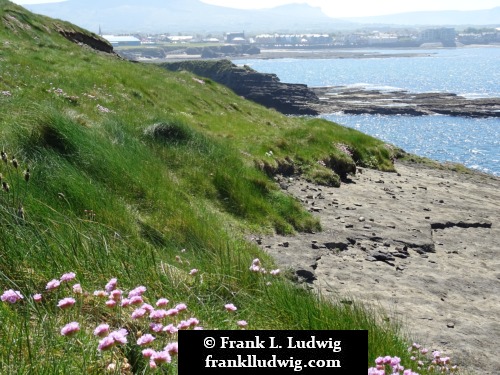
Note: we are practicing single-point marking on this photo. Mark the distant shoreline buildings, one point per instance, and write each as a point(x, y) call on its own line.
point(445, 36)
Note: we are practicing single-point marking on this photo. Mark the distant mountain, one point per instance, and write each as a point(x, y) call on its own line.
point(173, 16)
point(474, 17)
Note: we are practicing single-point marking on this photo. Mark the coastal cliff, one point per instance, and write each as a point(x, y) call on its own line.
point(265, 89)
point(299, 99)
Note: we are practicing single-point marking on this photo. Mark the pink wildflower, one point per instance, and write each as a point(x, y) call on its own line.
point(156, 327)
point(181, 307)
point(139, 291)
point(111, 303)
point(254, 268)
point(77, 289)
point(158, 314)
point(37, 297)
point(193, 272)
point(193, 322)
point(152, 364)
point(162, 302)
point(101, 330)
point(172, 312)
point(172, 348)
point(436, 354)
point(66, 302)
point(145, 339)
point(115, 294)
point(136, 300)
point(397, 368)
point(375, 371)
point(161, 357)
point(70, 329)
point(125, 302)
point(395, 361)
point(148, 353)
point(256, 262)
point(111, 285)
point(147, 307)
point(379, 361)
point(230, 307)
point(68, 276)
point(387, 359)
point(106, 343)
point(170, 329)
point(242, 323)
point(53, 284)
point(138, 313)
point(11, 296)
point(183, 325)
point(275, 272)
point(119, 336)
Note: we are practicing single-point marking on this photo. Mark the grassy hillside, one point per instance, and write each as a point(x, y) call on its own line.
point(119, 170)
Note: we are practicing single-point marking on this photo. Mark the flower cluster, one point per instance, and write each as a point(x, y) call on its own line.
point(152, 326)
point(60, 92)
point(392, 365)
point(342, 147)
point(102, 109)
point(437, 363)
point(6, 93)
point(11, 296)
point(256, 267)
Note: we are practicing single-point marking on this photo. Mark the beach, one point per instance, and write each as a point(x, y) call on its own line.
point(422, 244)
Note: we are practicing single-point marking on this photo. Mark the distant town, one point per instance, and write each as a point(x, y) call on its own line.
point(158, 46)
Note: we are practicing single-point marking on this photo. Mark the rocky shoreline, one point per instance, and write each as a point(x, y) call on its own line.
point(298, 99)
point(422, 243)
point(350, 100)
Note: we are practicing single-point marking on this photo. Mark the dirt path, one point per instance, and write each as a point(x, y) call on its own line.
point(422, 243)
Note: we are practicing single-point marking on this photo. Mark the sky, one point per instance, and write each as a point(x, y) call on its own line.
point(348, 8)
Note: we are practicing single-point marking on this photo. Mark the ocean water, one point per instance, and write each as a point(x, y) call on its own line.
point(471, 72)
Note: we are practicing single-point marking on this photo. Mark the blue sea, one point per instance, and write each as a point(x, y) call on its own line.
point(470, 72)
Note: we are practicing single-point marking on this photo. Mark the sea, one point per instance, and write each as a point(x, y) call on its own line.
point(473, 72)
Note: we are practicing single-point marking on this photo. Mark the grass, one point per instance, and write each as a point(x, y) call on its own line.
point(142, 174)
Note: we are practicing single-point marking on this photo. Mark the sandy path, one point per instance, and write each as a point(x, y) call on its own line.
point(424, 244)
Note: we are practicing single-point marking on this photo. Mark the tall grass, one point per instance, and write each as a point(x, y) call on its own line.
point(144, 175)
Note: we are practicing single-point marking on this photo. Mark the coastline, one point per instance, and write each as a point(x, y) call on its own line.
point(422, 243)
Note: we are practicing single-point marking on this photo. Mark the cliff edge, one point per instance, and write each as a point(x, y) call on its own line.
point(262, 88)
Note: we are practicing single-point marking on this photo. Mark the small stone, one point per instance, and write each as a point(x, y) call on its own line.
point(361, 218)
point(450, 325)
point(349, 226)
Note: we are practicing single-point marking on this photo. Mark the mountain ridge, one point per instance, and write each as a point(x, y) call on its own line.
point(185, 16)
point(174, 16)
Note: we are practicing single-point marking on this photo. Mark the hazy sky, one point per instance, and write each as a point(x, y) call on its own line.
point(349, 8)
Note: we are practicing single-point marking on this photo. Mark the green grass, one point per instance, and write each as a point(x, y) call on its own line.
point(142, 174)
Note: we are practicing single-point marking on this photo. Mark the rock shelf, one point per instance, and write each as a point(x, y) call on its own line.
point(364, 101)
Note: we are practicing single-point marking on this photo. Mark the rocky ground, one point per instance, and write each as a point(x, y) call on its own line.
point(424, 244)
